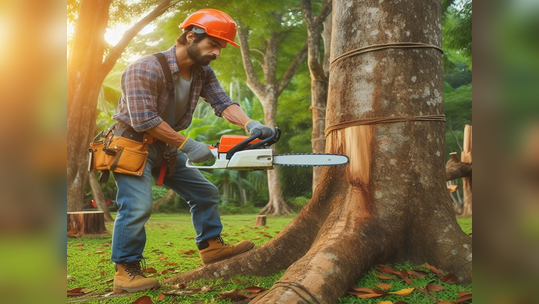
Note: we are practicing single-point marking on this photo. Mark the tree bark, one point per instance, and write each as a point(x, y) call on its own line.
point(390, 203)
point(99, 198)
point(454, 170)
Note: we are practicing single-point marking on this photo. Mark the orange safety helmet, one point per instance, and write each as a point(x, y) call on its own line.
point(214, 22)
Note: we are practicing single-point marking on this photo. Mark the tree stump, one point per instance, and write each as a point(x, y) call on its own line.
point(86, 222)
point(260, 220)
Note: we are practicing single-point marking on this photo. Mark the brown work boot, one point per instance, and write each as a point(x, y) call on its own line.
point(215, 250)
point(129, 278)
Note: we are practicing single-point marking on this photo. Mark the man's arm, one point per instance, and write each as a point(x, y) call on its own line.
point(165, 133)
point(235, 115)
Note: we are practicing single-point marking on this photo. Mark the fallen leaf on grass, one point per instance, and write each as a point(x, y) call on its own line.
point(100, 252)
point(254, 289)
point(233, 295)
point(384, 286)
point(79, 244)
point(464, 296)
point(205, 289)
point(74, 290)
point(446, 302)
point(417, 274)
point(434, 287)
point(70, 278)
point(383, 277)
point(162, 258)
point(406, 277)
point(434, 269)
point(143, 300)
point(367, 293)
point(385, 302)
point(161, 297)
point(179, 286)
point(170, 264)
point(449, 279)
point(150, 270)
point(77, 292)
point(403, 292)
point(168, 270)
point(387, 269)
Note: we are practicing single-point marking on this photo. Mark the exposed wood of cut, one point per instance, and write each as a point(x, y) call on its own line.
point(452, 188)
point(86, 222)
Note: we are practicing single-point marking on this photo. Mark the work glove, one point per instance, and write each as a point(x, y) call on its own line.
point(197, 152)
point(254, 125)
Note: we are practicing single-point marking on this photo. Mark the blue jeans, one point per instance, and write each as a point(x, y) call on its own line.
point(134, 200)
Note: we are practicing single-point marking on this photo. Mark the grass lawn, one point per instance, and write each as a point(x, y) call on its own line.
point(171, 250)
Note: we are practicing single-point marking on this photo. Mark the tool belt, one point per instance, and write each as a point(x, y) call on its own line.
point(119, 149)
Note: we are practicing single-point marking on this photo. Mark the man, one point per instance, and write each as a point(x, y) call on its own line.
point(145, 109)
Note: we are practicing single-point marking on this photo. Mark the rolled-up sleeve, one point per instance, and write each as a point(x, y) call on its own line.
point(214, 94)
point(140, 95)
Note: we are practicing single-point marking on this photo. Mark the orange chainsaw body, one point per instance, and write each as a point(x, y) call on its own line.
point(230, 141)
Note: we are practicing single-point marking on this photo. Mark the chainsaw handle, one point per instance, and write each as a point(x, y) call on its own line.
point(244, 145)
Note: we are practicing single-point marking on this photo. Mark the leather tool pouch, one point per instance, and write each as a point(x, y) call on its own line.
point(119, 154)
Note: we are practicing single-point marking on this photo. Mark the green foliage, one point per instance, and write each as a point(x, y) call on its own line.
point(297, 203)
point(457, 28)
point(458, 111)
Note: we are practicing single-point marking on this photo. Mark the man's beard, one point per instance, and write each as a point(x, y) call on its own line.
point(194, 53)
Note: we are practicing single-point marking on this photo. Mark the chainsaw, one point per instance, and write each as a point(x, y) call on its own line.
point(236, 152)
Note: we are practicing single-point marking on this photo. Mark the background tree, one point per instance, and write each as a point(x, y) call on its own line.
point(318, 61)
point(281, 27)
point(87, 66)
point(390, 204)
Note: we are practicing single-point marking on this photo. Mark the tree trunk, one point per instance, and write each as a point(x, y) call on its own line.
point(319, 79)
point(390, 203)
point(86, 70)
point(276, 204)
point(169, 196)
point(269, 93)
point(84, 78)
point(99, 198)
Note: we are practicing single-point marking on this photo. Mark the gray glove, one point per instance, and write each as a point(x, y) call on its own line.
point(254, 125)
point(197, 152)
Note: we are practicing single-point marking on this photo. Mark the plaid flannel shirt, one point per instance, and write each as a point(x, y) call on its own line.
point(145, 97)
